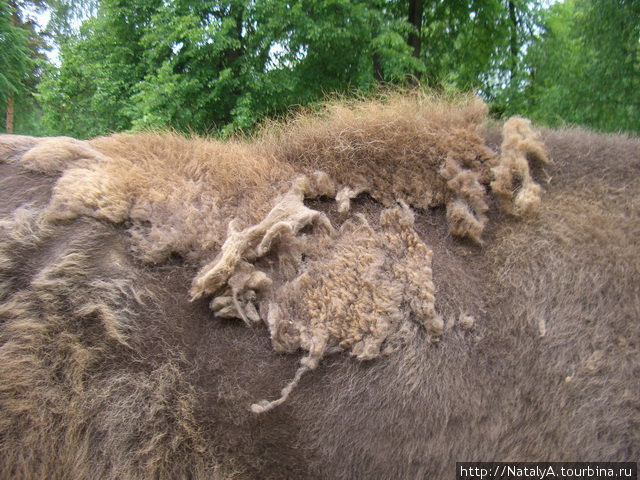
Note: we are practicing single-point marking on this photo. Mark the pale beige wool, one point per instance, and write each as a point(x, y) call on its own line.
point(400, 147)
point(513, 185)
point(393, 146)
point(421, 149)
point(353, 290)
point(356, 291)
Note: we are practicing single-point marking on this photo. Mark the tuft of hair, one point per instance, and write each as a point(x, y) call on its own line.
point(55, 155)
point(287, 217)
point(13, 147)
point(466, 201)
point(517, 192)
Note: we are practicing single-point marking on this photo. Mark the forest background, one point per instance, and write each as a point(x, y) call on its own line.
point(90, 67)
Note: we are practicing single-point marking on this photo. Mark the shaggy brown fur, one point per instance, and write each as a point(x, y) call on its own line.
point(393, 148)
point(77, 389)
point(183, 207)
point(507, 392)
point(419, 149)
point(396, 149)
point(110, 372)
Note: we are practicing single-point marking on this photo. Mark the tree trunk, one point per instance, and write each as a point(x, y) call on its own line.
point(416, 8)
point(9, 118)
point(9, 114)
point(513, 44)
point(378, 71)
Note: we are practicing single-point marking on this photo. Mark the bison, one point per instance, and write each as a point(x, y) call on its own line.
point(379, 289)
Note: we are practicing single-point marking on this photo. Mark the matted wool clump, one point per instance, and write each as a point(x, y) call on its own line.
point(466, 201)
point(353, 290)
point(287, 217)
point(516, 191)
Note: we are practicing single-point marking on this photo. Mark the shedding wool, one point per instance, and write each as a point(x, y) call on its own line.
point(236, 211)
point(350, 290)
point(516, 191)
point(327, 291)
point(356, 293)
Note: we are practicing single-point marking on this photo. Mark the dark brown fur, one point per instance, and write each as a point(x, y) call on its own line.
point(108, 371)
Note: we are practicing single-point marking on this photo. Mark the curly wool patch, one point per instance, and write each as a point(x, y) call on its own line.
point(353, 290)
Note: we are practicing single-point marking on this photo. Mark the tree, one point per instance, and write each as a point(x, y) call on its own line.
point(16, 60)
point(584, 67)
point(91, 92)
point(236, 61)
point(223, 65)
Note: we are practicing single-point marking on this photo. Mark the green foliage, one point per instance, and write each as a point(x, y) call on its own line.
point(18, 66)
point(90, 93)
point(584, 68)
point(15, 61)
point(234, 62)
point(221, 66)
point(463, 37)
